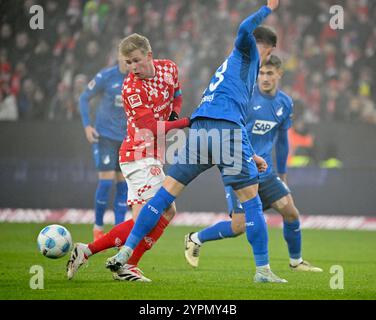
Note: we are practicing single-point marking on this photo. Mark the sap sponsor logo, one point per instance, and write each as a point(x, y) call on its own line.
point(261, 126)
point(152, 209)
point(207, 98)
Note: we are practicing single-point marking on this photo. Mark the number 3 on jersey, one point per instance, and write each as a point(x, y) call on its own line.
point(219, 75)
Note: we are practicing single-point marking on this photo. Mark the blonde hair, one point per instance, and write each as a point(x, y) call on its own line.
point(133, 42)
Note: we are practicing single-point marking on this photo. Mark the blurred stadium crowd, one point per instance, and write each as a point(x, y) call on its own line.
point(330, 73)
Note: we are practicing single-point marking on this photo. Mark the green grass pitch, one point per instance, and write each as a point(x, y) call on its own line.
point(226, 268)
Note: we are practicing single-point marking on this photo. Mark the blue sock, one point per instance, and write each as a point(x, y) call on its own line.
point(101, 199)
point(120, 202)
point(256, 230)
point(149, 216)
point(217, 231)
point(293, 237)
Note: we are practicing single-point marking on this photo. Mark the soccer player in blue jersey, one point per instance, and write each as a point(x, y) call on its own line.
point(106, 137)
point(269, 119)
point(219, 124)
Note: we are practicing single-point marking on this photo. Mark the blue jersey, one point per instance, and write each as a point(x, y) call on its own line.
point(268, 119)
point(110, 117)
point(230, 90)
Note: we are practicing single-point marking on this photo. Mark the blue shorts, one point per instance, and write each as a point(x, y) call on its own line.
point(220, 143)
point(106, 154)
point(270, 191)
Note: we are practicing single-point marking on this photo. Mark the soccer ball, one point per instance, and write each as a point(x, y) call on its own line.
point(54, 241)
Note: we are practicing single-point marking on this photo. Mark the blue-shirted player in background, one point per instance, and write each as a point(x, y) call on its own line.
point(106, 137)
point(222, 113)
point(268, 123)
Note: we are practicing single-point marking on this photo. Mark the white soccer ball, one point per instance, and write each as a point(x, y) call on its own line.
point(54, 241)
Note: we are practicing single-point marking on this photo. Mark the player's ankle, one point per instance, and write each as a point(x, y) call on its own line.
point(195, 239)
point(295, 262)
point(263, 268)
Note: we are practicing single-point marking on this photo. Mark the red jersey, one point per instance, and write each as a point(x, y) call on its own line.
point(158, 96)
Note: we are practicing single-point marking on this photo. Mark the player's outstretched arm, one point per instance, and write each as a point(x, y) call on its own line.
point(247, 27)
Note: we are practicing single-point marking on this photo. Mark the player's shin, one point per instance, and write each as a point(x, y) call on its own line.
point(220, 230)
point(256, 230)
point(293, 237)
point(120, 202)
point(148, 241)
point(149, 217)
point(102, 195)
point(114, 238)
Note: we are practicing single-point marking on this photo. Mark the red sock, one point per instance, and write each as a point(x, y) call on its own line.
point(116, 237)
point(147, 242)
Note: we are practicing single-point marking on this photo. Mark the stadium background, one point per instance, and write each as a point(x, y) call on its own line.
point(46, 162)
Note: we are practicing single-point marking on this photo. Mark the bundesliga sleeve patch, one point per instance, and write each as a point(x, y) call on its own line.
point(135, 100)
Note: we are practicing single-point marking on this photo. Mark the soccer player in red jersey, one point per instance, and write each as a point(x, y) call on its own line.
point(152, 101)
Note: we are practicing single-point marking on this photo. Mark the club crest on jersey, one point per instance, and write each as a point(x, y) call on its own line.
point(169, 79)
point(280, 112)
point(135, 100)
point(155, 171)
point(262, 126)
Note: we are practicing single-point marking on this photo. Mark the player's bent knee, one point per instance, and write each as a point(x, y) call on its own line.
point(173, 186)
point(281, 203)
point(247, 193)
point(238, 224)
point(107, 175)
point(286, 207)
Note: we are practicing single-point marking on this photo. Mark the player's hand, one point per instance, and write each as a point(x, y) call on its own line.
point(91, 134)
point(272, 4)
point(260, 163)
point(173, 116)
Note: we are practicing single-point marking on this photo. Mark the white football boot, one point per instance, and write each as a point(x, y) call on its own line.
point(77, 259)
point(266, 275)
point(192, 251)
point(129, 272)
point(305, 266)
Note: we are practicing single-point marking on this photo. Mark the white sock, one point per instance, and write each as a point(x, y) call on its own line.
point(195, 239)
point(265, 267)
point(86, 249)
point(295, 262)
point(96, 227)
